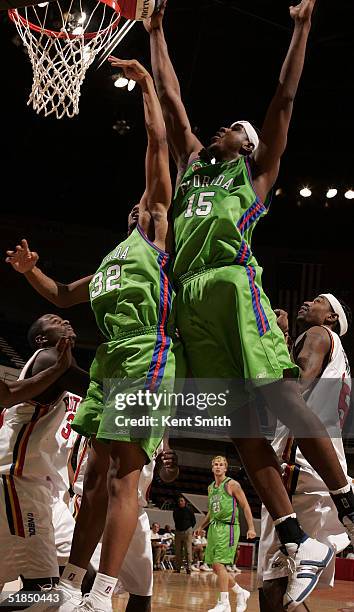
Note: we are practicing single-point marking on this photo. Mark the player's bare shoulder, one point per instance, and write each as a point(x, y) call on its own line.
point(232, 486)
point(319, 335)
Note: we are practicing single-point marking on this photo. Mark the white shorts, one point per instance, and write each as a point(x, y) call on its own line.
point(317, 516)
point(26, 532)
point(64, 524)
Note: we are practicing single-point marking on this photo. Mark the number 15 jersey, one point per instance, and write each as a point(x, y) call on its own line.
point(215, 211)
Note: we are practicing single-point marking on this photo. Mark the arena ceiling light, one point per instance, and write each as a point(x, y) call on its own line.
point(349, 194)
point(305, 192)
point(131, 85)
point(331, 193)
point(122, 127)
point(121, 82)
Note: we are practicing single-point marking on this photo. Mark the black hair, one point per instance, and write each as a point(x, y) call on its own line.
point(348, 314)
point(35, 330)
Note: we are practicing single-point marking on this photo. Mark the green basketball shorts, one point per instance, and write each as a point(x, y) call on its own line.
point(222, 543)
point(146, 360)
point(228, 327)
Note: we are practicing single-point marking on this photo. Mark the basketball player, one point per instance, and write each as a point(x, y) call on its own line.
point(27, 446)
point(15, 392)
point(215, 210)
point(325, 378)
point(136, 574)
point(131, 297)
point(225, 495)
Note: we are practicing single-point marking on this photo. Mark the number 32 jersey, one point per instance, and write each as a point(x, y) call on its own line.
point(215, 211)
point(131, 289)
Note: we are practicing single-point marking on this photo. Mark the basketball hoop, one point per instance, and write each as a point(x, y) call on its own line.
point(62, 39)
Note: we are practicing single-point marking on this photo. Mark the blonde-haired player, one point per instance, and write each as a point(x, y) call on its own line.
point(225, 495)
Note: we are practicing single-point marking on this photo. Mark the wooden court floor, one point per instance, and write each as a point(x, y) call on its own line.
point(197, 593)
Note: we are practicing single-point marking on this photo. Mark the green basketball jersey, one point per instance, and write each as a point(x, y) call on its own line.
point(131, 289)
point(215, 211)
point(222, 506)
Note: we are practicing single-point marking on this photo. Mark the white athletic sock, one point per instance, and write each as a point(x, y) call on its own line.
point(236, 588)
point(72, 576)
point(283, 518)
point(345, 489)
point(224, 597)
point(102, 590)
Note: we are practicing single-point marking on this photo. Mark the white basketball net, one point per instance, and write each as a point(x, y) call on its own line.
point(60, 59)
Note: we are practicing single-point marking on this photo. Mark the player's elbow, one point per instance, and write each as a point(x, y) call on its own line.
point(64, 298)
point(157, 139)
point(169, 96)
point(285, 97)
point(159, 209)
point(62, 302)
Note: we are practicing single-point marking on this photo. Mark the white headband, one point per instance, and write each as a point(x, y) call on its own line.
point(250, 131)
point(338, 309)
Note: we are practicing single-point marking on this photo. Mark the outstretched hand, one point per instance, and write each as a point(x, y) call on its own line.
point(22, 259)
point(303, 11)
point(155, 21)
point(282, 319)
point(64, 356)
point(132, 68)
point(167, 465)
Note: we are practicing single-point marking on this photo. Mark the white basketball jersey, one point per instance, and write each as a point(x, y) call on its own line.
point(145, 480)
point(65, 438)
point(329, 398)
point(34, 437)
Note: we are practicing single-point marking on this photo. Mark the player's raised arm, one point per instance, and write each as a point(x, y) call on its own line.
point(181, 140)
point(312, 355)
point(158, 191)
point(22, 390)
point(24, 261)
point(74, 378)
point(274, 132)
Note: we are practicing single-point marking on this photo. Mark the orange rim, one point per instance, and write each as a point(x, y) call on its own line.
point(16, 18)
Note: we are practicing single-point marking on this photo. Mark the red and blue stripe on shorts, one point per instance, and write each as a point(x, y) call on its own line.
point(163, 341)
